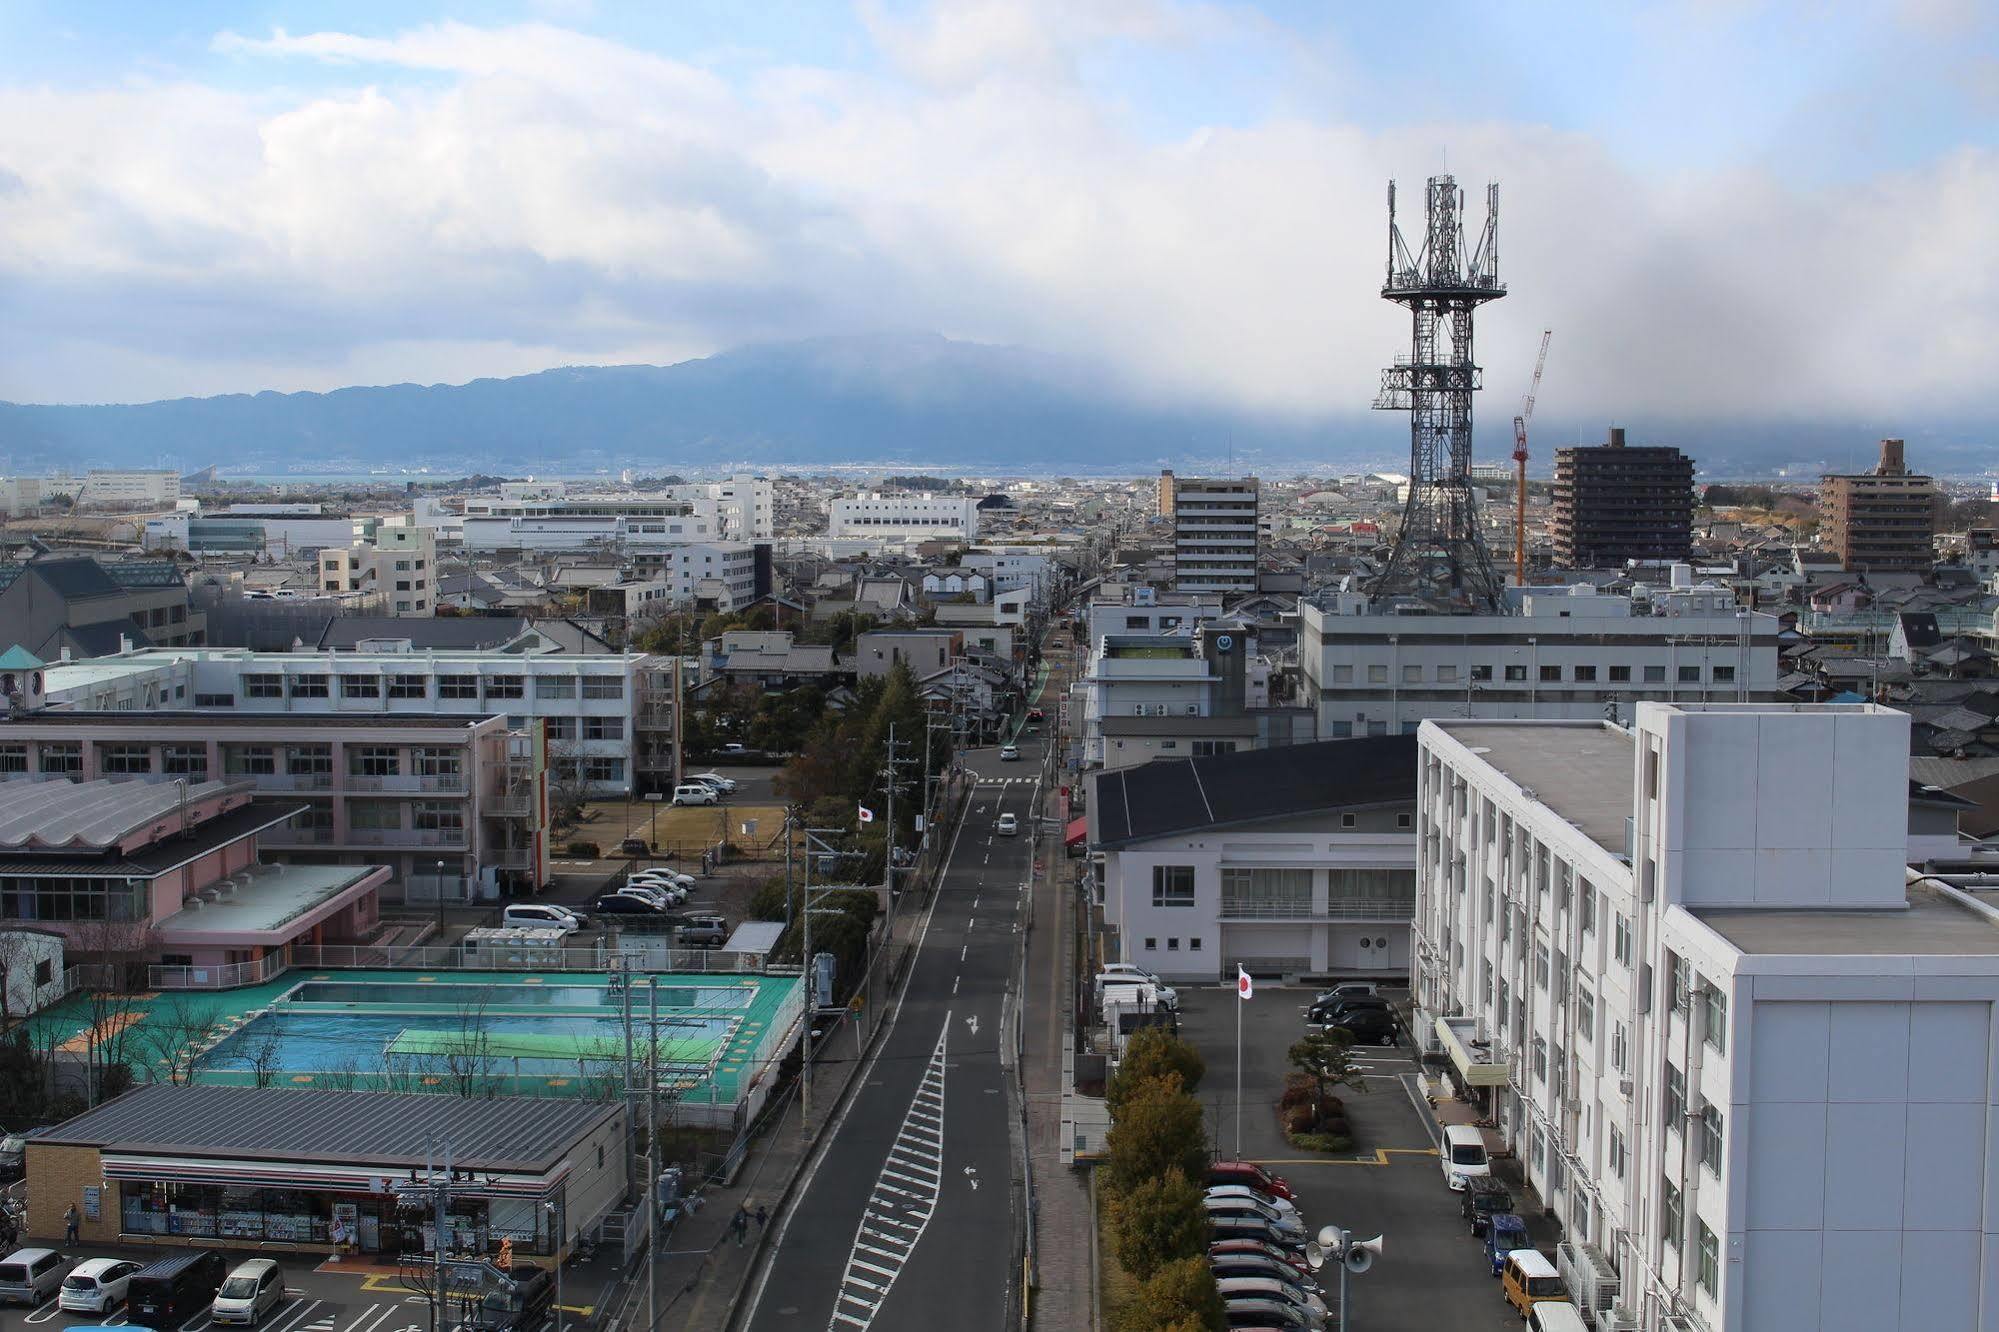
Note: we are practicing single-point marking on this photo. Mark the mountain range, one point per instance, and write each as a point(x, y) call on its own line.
point(892, 400)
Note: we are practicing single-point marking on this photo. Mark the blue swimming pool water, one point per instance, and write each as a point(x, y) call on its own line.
point(483, 994)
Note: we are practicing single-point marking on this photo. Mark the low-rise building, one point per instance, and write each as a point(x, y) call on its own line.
point(87, 607)
point(1732, 1040)
point(906, 517)
point(1286, 862)
point(112, 488)
point(397, 571)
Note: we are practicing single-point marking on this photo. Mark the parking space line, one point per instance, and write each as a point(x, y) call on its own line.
point(41, 1313)
point(1379, 1158)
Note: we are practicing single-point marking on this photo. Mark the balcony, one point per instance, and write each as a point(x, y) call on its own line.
point(512, 806)
point(286, 781)
point(453, 784)
point(1348, 908)
point(454, 838)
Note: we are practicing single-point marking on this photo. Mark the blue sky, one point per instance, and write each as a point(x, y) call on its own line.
point(210, 196)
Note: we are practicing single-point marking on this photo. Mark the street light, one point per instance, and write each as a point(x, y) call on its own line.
point(440, 904)
point(555, 1233)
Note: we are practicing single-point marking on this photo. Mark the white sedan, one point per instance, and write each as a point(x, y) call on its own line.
point(96, 1285)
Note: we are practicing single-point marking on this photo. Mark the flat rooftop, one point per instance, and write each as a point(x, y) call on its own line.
point(1931, 925)
point(274, 896)
point(1583, 773)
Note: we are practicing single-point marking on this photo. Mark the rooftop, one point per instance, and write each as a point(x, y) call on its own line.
point(267, 900)
point(1169, 796)
point(1581, 772)
point(93, 816)
point(147, 862)
point(380, 1128)
point(179, 719)
point(1932, 925)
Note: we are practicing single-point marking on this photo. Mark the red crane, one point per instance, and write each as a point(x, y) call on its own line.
point(1520, 465)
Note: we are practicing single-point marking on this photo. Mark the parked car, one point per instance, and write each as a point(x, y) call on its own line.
point(1036, 714)
point(542, 915)
point(661, 875)
point(29, 1276)
point(1483, 1196)
point(1504, 1232)
point(714, 779)
point(733, 748)
point(1251, 1209)
point(14, 1153)
point(695, 793)
point(705, 931)
point(1328, 1012)
point(248, 1293)
point(623, 904)
point(1368, 1026)
point(1253, 1175)
point(1008, 753)
point(168, 1291)
point(658, 898)
point(1257, 1248)
point(1262, 1288)
point(1227, 1229)
point(1246, 1311)
point(1348, 990)
point(96, 1285)
point(1119, 974)
point(634, 846)
point(1261, 1265)
point(1527, 1278)
point(1282, 1206)
point(1463, 1155)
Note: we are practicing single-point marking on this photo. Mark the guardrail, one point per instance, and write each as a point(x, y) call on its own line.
point(224, 976)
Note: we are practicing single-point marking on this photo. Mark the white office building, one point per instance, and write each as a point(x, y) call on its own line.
point(609, 716)
point(113, 488)
point(717, 575)
point(582, 523)
point(919, 517)
point(1216, 536)
point(1570, 652)
point(1733, 1041)
point(744, 506)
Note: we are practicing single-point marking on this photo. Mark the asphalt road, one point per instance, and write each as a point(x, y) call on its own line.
point(1390, 1184)
point(907, 1216)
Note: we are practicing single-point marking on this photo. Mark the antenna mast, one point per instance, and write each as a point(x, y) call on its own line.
point(1520, 465)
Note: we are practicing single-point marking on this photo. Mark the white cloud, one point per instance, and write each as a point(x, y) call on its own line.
point(487, 200)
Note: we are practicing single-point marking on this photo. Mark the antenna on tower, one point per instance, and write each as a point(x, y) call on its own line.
point(1439, 554)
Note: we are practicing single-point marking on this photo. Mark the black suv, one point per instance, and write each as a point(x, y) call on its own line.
point(1368, 1026)
point(1331, 1012)
point(1483, 1196)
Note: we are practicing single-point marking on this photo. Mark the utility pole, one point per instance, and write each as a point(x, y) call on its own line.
point(652, 1161)
point(888, 852)
point(814, 842)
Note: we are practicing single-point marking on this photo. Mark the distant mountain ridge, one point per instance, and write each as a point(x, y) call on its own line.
point(894, 399)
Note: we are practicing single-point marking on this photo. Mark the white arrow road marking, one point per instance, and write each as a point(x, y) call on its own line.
point(900, 1204)
point(972, 1177)
point(973, 1024)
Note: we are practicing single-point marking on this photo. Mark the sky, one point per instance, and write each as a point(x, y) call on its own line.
point(1722, 209)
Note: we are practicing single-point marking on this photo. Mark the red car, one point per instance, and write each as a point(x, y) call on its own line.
point(1253, 1176)
point(1035, 714)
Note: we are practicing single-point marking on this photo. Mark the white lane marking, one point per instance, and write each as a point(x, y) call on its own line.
point(889, 1204)
point(43, 1312)
point(386, 1311)
point(954, 985)
point(293, 1316)
point(962, 951)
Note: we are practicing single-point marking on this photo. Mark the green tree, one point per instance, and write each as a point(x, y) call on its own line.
point(1326, 1057)
point(1158, 1130)
point(1156, 1221)
point(1180, 1294)
point(1155, 1052)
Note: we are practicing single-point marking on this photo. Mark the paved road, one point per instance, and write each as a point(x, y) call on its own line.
point(907, 1217)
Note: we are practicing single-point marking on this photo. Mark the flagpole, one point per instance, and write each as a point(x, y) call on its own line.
point(1239, 1002)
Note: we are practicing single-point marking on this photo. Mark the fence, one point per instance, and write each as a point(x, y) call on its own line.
point(226, 976)
point(449, 957)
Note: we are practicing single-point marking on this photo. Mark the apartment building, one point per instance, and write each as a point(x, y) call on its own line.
point(111, 488)
point(1615, 503)
point(1880, 521)
point(744, 506)
point(528, 526)
point(1139, 608)
point(713, 575)
point(907, 517)
point(87, 607)
point(1570, 652)
point(1286, 862)
point(1217, 537)
point(1734, 1043)
point(1163, 500)
point(608, 717)
point(397, 571)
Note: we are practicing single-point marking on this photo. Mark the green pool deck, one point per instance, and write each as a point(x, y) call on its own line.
point(771, 1000)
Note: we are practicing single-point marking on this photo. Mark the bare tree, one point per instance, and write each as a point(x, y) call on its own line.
point(262, 1055)
point(468, 1052)
point(20, 950)
point(174, 1035)
point(343, 1075)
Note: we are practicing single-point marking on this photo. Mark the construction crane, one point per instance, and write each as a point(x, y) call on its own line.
point(1520, 465)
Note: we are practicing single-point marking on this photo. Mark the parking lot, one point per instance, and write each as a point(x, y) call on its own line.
point(351, 1296)
point(1431, 1274)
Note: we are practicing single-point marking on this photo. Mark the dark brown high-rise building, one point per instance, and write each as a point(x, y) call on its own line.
point(1615, 503)
point(1880, 521)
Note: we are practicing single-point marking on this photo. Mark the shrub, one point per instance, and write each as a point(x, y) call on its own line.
point(582, 850)
point(1156, 1221)
point(1152, 1054)
point(1181, 1294)
point(1299, 1119)
point(1156, 1128)
point(1321, 1142)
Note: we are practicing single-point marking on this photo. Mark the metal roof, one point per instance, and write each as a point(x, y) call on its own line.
point(150, 861)
point(92, 815)
point(373, 1128)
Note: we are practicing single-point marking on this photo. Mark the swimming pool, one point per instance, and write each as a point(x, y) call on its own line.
point(489, 997)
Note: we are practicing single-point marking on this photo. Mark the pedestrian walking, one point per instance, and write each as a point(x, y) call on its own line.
point(69, 1224)
point(740, 1224)
point(763, 1218)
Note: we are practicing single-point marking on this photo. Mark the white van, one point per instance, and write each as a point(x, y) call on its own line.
point(251, 1291)
point(543, 915)
point(695, 793)
point(1555, 1316)
point(1463, 1155)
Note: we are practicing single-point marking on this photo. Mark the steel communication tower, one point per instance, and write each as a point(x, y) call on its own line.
point(1440, 555)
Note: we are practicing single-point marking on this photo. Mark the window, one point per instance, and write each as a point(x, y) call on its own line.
point(62, 760)
point(1551, 674)
point(13, 758)
point(1152, 945)
point(184, 761)
point(1516, 673)
point(555, 686)
point(1707, 1260)
point(1172, 945)
point(1690, 675)
point(1710, 1136)
point(45, 972)
point(1377, 675)
point(1412, 675)
point(1620, 945)
point(1269, 893)
point(1724, 675)
point(1541, 967)
point(125, 760)
point(377, 815)
point(1405, 820)
point(1655, 675)
point(1620, 675)
point(1349, 820)
point(1585, 675)
point(603, 728)
point(1585, 1014)
point(1481, 672)
point(1676, 1100)
point(561, 728)
point(444, 816)
point(1172, 885)
point(603, 770)
point(437, 763)
point(1620, 1048)
point(215, 700)
point(1540, 1048)
point(1342, 675)
point(407, 686)
point(603, 686)
point(360, 686)
point(373, 761)
point(1194, 944)
point(263, 686)
point(1670, 1218)
point(309, 686)
point(458, 686)
point(505, 686)
point(249, 761)
point(1679, 981)
point(309, 761)
point(1210, 748)
point(1716, 1003)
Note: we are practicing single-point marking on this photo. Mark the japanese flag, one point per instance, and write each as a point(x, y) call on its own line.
point(1243, 987)
point(867, 815)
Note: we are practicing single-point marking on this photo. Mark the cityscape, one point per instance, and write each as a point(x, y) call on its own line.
point(650, 685)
